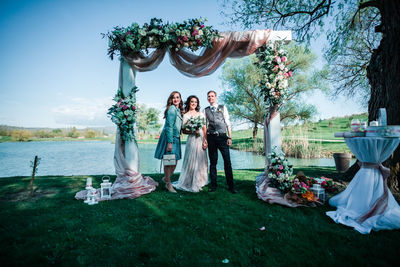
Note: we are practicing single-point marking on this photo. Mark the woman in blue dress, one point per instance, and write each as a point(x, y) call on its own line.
point(170, 138)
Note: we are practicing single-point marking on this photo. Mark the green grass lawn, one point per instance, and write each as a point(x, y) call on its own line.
point(185, 229)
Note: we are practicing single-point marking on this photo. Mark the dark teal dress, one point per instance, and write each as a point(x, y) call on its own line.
point(171, 133)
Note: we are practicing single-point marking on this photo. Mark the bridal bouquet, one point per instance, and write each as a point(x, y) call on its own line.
point(123, 114)
point(279, 171)
point(194, 124)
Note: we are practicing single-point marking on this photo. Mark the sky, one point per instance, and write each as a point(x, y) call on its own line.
point(55, 72)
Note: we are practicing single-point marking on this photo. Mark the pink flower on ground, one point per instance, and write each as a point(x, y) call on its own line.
point(124, 107)
point(198, 41)
point(184, 38)
point(304, 185)
point(202, 26)
point(281, 167)
point(119, 103)
point(194, 33)
point(133, 107)
point(278, 173)
point(290, 73)
point(283, 59)
point(286, 74)
point(277, 59)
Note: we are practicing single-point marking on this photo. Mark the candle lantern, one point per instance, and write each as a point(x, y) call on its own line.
point(318, 192)
point(106, 190)
point(92, 196)
point(88, 188)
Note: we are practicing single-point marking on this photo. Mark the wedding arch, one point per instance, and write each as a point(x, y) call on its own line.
point(179, 41)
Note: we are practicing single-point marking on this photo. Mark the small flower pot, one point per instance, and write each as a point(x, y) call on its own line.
point(342, 161)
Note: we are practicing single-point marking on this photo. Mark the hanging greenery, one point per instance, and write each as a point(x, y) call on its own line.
point(190, 34)
point(273, 63)
point(123, 114)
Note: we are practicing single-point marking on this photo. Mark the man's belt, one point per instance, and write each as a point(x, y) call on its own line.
point(215, 133)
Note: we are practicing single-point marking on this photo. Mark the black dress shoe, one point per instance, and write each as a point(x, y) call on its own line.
point(211, 189)
point(233, 191)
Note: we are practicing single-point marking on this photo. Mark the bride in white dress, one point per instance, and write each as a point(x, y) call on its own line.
point(194, 173)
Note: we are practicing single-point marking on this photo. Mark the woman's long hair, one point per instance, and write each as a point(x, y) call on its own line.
point(169, 103)
point(187, 103)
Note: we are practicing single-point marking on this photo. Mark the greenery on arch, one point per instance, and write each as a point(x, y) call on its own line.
point(191, 34)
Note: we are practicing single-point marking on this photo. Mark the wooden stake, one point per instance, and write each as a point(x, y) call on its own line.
point(33, 174)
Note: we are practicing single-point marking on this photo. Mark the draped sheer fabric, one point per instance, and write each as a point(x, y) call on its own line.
point(367, 204)
point(230, 44)
point(129, 183)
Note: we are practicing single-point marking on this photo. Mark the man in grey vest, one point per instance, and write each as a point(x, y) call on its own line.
point(218, 138)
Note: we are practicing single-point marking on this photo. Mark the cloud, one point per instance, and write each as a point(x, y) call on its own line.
point(84, 112)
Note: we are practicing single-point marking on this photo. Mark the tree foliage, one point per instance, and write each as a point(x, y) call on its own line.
point(21, 135)
point(147, 118)
point(352, 42)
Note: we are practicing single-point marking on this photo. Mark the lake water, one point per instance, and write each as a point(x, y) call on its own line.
point(96, 158)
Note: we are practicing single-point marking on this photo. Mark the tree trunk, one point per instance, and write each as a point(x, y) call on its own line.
point(255, 130)
point(383, 74)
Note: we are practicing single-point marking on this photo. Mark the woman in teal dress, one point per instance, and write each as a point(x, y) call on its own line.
point(170, 138)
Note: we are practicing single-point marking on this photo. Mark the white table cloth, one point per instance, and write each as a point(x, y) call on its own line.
point(367, 203)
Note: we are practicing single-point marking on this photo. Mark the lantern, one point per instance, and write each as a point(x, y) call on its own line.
point(106, 190)
point(92, 196)
point(88, 187)
point(318, 191)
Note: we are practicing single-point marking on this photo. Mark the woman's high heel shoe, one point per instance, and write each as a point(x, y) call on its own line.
point(169, 187)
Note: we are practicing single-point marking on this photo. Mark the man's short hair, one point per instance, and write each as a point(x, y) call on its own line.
point(211, 91)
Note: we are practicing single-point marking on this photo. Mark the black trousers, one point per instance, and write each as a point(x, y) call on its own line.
point(215, 143)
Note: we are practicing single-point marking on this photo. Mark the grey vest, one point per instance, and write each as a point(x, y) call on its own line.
point(216, 121)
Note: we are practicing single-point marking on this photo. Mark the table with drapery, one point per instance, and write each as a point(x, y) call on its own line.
point(367, 203)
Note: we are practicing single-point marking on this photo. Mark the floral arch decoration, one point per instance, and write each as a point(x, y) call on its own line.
point(142, 48)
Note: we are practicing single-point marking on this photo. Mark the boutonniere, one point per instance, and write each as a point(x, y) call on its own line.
point(219, 110)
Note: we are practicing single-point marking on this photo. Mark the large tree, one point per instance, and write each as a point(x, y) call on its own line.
point(147, 118)
point(349, 57)
point(307, 19)
point(246, 101)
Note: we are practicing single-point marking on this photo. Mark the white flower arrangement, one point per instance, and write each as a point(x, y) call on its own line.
point(273, 62)
point(279, 171)
point(193, 124)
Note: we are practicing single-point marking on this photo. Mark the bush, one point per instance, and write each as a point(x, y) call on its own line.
point(73, 133)
point(57, 132)
point(44, 134)
point(21, 135)
point(90, 134)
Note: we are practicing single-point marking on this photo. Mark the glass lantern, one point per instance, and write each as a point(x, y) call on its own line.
point(106, 189)
point(88, 188)
point(318, 192)
point(92, 197)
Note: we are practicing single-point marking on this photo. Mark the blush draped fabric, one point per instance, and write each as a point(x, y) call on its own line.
point(270, 194)
point(129, 183)
point(230, 44)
